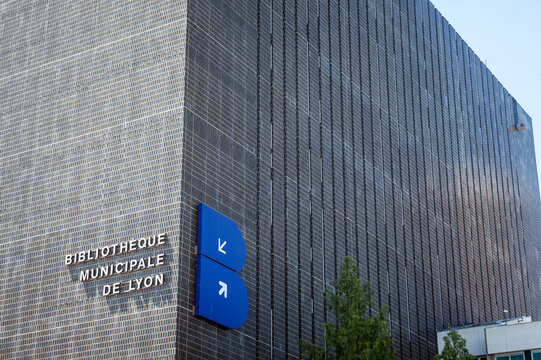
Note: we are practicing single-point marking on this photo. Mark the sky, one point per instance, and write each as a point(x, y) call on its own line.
point(506, 34)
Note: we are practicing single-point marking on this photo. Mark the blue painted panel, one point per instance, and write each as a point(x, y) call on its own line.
point(220, 294)
point(219, 238)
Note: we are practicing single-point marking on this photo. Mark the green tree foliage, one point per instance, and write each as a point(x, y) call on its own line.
point(454, 348)
point(355, 334)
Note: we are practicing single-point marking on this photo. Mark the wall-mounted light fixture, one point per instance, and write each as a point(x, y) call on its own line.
point(517, 127)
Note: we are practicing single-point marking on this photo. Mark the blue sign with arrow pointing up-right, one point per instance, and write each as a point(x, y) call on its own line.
point(220, 294)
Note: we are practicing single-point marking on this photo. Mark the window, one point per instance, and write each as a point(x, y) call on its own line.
point(511, 357)
point(536, 355)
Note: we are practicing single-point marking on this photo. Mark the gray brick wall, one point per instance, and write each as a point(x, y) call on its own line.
point(91, 127)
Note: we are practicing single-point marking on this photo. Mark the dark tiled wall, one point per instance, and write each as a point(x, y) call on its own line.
point(361, 128)
point(90, 155)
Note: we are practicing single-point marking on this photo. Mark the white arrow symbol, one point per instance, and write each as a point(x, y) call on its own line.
point(221, 246)
point(223, 289)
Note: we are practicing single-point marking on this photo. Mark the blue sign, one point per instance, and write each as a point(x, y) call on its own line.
point(219, 238)
point(220, 294)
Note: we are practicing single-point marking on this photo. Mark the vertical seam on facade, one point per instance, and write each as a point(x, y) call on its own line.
point(332, 139)
point(428, 176)
point(311, 191)
point(463, 177)
point(424, 175)
point(418, 100)
point(411, 183)
point(398, 181)
point(469, 193)
point(488, 189)
point(320, 119)
point(285, 175)
point(258, 194)
point(404, 239)
point(298, 175)
point(272, 176)
point(479, 152)
point(342, 129)
point(440, 155)
point(353, 137)
point(457, 258)
point(476, 177)
point(389, 120)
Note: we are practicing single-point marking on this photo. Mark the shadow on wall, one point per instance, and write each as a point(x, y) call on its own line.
point(141, 276)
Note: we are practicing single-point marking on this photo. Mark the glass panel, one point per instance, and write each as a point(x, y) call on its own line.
point(517, 357)
point(502, 357)
point(536, 356)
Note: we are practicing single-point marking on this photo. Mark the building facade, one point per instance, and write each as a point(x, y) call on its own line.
point(321, 128)
point(508, 339)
